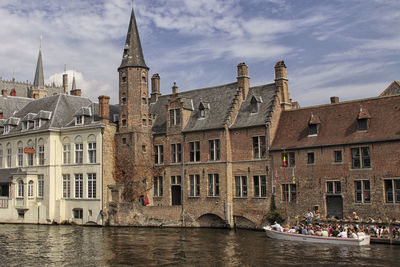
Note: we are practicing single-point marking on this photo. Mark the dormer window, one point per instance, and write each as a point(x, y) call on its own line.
point(202, 113)
point(79, 120)
point(6, 129)
point(203, 107)
point(363, 119)
point(174, 117)
point(362, 124)
point(254, 104)
point(313, 125)
point(25, 126)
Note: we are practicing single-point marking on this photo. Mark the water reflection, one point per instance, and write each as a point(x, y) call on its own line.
point(31, 245)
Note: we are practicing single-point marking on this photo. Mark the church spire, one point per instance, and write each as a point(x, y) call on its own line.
point(39, 77)
point(133, 54)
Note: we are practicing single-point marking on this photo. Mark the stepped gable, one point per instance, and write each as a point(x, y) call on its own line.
point(12, 104)
point(218, 97)
point(393, 89)
point(339, 124)
point(245, 118)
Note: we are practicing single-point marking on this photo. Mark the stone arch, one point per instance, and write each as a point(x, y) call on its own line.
point(211, 220)
point(91, 138)
point(30, 143)
point(243, 222)
point(78, 139)
point(41, 142)
point(66, 140)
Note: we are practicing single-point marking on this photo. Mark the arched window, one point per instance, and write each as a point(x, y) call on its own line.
point(20, 188)
point(30, 188)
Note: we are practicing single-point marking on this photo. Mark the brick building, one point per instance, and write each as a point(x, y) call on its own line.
point(340, 158)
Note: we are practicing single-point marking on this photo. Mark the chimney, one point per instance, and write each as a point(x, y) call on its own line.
point(334, 99)
point(65, 83)
point(4, 93)
point(155, 87)
point(281, 83)
point(243, 79)
point(174, 89)
point(76, 92)
point(104, 109)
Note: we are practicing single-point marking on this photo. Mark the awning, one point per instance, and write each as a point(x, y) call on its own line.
point(6, 175)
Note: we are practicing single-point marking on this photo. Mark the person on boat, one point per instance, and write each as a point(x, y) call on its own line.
point(356, 218)
point(324, 232)
point(343, 234)
point(309, 216)
point(277, 227)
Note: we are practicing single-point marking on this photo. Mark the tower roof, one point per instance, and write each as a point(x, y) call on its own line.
point(133, 54)
point(39, 77)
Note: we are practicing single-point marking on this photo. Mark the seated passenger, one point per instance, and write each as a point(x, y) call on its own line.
point(277, 227)
point(343, 234)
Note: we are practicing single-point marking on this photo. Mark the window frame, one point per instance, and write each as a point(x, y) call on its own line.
point(158, 186)
point(66, 185)
point(360, 159)
point(40, 186)
point(194, 185)
point(92, 152)
point(362, 194)
point(20, 157)
point(78, 186)
point(78, 153)
point(20, 189)
point(290, 159)
point(194, 150)
point(241, 186)
point(394, 192)
point(91, 185)
point(66, 154)
point(176, 153)
point(215, 149)
point(158, 154)
point(175, 117)
point(310, 158)
point(335, 185)
point(41, 158)
point(260, 186)
point(213, 185)
point(259, 147)
point(289, 192)
point(31, 189)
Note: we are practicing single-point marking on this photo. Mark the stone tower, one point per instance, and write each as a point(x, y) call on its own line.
point(133, 143)
point(38, 89)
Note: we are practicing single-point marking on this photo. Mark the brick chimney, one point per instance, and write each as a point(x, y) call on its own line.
point(243, 79)
point(334, 99)
point(174, 89)
point(155, 87)
point(65, 83)
point(76, 92)
point(104, 109)
point(4, 93)
point(281, 83)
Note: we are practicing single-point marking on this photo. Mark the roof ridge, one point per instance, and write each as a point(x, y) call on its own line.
point(55, 110)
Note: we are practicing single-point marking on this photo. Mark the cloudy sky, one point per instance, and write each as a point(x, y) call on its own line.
point(346, 48)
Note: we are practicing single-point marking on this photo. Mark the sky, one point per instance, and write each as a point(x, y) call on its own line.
point(344, 48)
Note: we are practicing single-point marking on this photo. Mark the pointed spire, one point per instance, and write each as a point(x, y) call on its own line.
point(133, 54)
point(39, 77)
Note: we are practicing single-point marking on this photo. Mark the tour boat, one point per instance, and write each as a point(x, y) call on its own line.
point(364, 241)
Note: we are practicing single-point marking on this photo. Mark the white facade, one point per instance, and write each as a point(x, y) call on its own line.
point(61, 182)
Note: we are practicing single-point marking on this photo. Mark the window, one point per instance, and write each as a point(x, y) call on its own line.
point(158, 186)
point(79, 185)
point(79, 153)
point(214, 149)
point(312, 129)
point(213, 185)
point(362, 191)
point(362, 124)
point(392, 191)
point(20, 156)
point(333, 187)
point(176, 153)
point(41, 155)
point(288, 159)
point(202, 113)
point(144, 122)
point(194, 180)
point(338, 156)
point(241, 186)
point(144, 100)
point(30, 188)
point(254, 105)
point(260, 186)
point(78, 213)
point(310, 158)
point(360, 157)
point(66, 186)
point(20, 189)
point(194, 151)
point(159, 154)
point(289, 192)
point(91, 185)
point(124, 141)
point(176, 180)
point(123, 100)
point(9, 157)
point(174, 117)
point(259, 148)
point(30, 159)
point(92, 152)
point(66, 154)
point(1, 158)
point(78, 120)
point(123, 120)
point(40, 192)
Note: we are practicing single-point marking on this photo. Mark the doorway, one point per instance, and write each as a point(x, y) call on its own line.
point(176, 194)
point(334, 206)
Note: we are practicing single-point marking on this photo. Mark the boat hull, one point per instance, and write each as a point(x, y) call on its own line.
point(317, 239)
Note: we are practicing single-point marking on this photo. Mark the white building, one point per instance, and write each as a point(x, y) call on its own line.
point(51, 161)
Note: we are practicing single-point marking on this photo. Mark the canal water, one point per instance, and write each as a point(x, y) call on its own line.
point(34, 245)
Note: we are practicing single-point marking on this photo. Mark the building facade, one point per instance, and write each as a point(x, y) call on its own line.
point(51, 160)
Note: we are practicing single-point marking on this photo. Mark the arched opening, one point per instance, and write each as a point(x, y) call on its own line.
point(242, 222)
point(211, 220)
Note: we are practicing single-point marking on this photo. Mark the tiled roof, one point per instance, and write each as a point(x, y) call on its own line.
point(339, 124)
point(393, 89)
point(11, 104)
point(218, 99)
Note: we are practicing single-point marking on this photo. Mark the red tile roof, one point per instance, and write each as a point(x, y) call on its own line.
point(339, 123)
